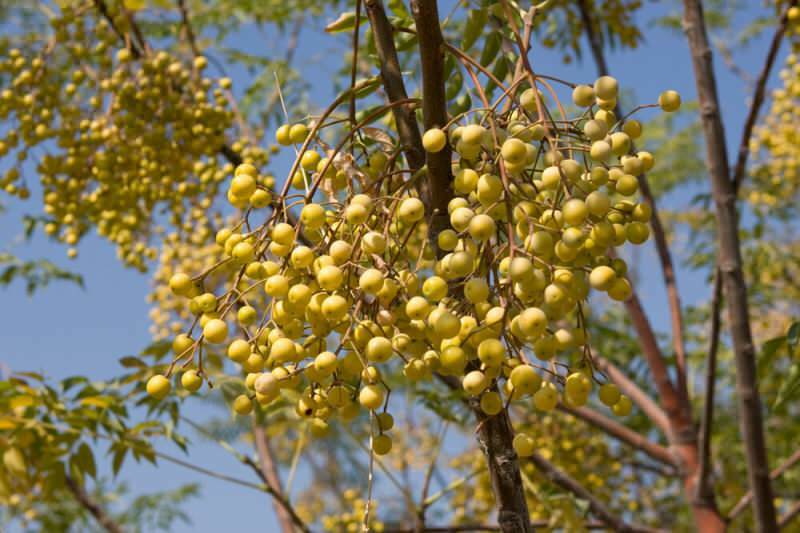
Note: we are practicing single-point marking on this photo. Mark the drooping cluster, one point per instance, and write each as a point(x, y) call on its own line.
point(346, 282)
point(120, 135)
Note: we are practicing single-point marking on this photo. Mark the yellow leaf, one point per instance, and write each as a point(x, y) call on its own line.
point(7, 423)
point(22, 401)
point(97, 401)
point(135, 5)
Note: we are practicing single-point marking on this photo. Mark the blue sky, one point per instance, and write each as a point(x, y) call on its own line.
point(63, 330)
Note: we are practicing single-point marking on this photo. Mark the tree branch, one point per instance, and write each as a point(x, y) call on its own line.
point(270, 475)
point(393, 84)
point(621, 433)
point(92, 506)
point(730, 265)
point(434, 108)
point(563, 480)
point(791, 513)
point(775, 474)
point(707, 421)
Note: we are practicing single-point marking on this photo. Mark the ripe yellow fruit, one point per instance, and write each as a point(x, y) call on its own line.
point(466, 181)
point(181, 344)
point(239, 350)
point(491, 352)
point(191, 381)
point(475, 382)
point(623, 406)
point(546, 398)
point(476, 290)
point(514, 151)
point(481, 227)
point(158, 387)
point(602, 278)
point(609, 394)
point(14, 461)
point(669, 101)
point(371, 281)
point(371, 397)
point(330, 277)
point(379, 349)
point(243, 405)
point(525, 379)
point(606, 87)
point(180, 284)
point(326, 363)
point(583, 95)
point(411, 210)
point(385, 421)
point(283, 350)
point(215, 331)
point(312, 216)
point(282, 135)
point(491, 403)
point(266, 384)
point(524, 445)
point(381, 444)
point(243, 185)
point(575, 211)
point(434, 140)
point(473, 134)
point(283, 233)
point(298, 133)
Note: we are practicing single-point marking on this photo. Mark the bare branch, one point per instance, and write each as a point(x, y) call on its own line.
point(622, 433)
point(434, 107)
point(269, 473)
point(775, 474)
point(92, 506)
point(730, 265)
point(393, 84)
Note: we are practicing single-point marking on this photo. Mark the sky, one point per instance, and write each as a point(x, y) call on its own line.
point(64, 330)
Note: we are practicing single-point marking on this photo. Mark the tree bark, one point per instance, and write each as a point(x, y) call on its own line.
point(393, 84)
point(730, 266)
point(434, 108)
point(92, 506)
point(270, 473)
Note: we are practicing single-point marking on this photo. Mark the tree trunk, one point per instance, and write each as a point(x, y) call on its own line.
point(730, 266)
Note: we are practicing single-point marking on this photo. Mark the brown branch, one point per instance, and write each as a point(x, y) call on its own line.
point(791, 513)
point(730, 265)
point(92, 506)
point(495, 437)
point(269, 473)
point(103, 9)
point(393, 84)
point(434, 108)
point(622, 433)
point(707, 422)
point(600, 509)
point(775, 474)
point(758, 99)
point(187, 26)
point(479, 528)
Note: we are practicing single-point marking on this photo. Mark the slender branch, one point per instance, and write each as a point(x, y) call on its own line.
point(187, 27)
point(622, 433)
point(94, 508)
point(707, 421)
point(775, 474)
point(269, 473)
point(434, 108)
point(791, 513)
point(758, 99)
point(566, 482)
point(103, 9)
point(393, 84)
point(730, 265)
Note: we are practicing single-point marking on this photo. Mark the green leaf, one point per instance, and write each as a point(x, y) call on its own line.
point(793, 336)
point(345, 22)
point(491, 48)
point(85, 458)
point(476, 23)
point(790, 386)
